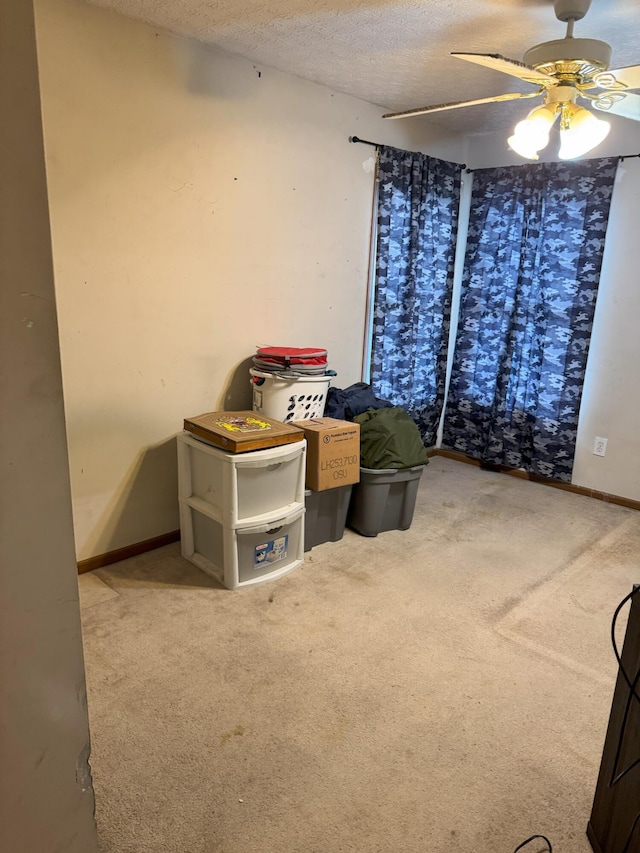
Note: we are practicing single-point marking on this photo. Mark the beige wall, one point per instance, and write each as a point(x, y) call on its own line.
point(46, 795)
point(201, 206)
point(611, 397)
point(611, 400)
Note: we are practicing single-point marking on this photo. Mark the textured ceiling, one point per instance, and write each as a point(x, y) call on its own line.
point(394, 54)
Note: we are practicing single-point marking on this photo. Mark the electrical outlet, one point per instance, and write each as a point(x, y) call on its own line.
point(599, 446)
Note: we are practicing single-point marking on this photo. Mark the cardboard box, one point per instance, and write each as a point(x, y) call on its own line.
point(333, 452)
point(239, 432)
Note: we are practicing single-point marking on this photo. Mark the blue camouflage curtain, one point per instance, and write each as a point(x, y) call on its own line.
point(418, 198)
point(534, 251)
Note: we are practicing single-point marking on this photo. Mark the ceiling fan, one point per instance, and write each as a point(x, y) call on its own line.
point(564, 71)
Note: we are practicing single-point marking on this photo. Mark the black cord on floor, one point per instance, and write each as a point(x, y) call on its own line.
point(633, 694)
point(627, 847)
point(533, 838)
point(631, 685)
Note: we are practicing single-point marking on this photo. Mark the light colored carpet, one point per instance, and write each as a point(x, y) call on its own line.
point(446, 688)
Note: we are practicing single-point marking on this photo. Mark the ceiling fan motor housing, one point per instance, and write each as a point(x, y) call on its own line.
point(571, 10)
point(570, 57)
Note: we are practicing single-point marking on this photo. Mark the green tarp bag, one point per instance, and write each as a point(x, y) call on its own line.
point(389, 438)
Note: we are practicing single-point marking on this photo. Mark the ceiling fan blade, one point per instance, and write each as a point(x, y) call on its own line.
point(509, 66)
point(629, 77)
point(513, 96)
point(620, 104)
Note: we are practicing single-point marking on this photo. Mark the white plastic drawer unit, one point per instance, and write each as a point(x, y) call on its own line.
point(240, 489)
point(242, 556)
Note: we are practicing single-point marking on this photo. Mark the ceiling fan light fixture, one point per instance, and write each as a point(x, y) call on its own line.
point(532, 134)
point(580, 132)
point(563, 70)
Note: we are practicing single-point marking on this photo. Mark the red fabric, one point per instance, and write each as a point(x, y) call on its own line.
point(293, 355)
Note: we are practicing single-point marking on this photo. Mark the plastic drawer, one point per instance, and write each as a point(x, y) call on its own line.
point(241, 488)
point(242, 556)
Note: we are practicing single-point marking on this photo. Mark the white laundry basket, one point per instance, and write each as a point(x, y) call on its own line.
point(289, 398)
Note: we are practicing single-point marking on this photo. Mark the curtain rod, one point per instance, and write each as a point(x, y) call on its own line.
point(381, 145)
point(364, 141)
point(620, 157)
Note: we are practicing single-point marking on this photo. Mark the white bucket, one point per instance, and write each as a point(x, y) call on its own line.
point(295, 398)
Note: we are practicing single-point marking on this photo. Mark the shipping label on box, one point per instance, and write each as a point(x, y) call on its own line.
point(333, 452)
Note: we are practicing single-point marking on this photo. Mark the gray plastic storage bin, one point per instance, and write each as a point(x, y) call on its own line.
point(384, 500)
point(325, 516)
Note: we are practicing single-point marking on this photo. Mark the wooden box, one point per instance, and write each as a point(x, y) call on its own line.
point(239, 432)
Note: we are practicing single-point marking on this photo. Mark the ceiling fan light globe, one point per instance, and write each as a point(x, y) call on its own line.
point(584, 133)
point(533, 134)
point(543, 117)
point(523, 147)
